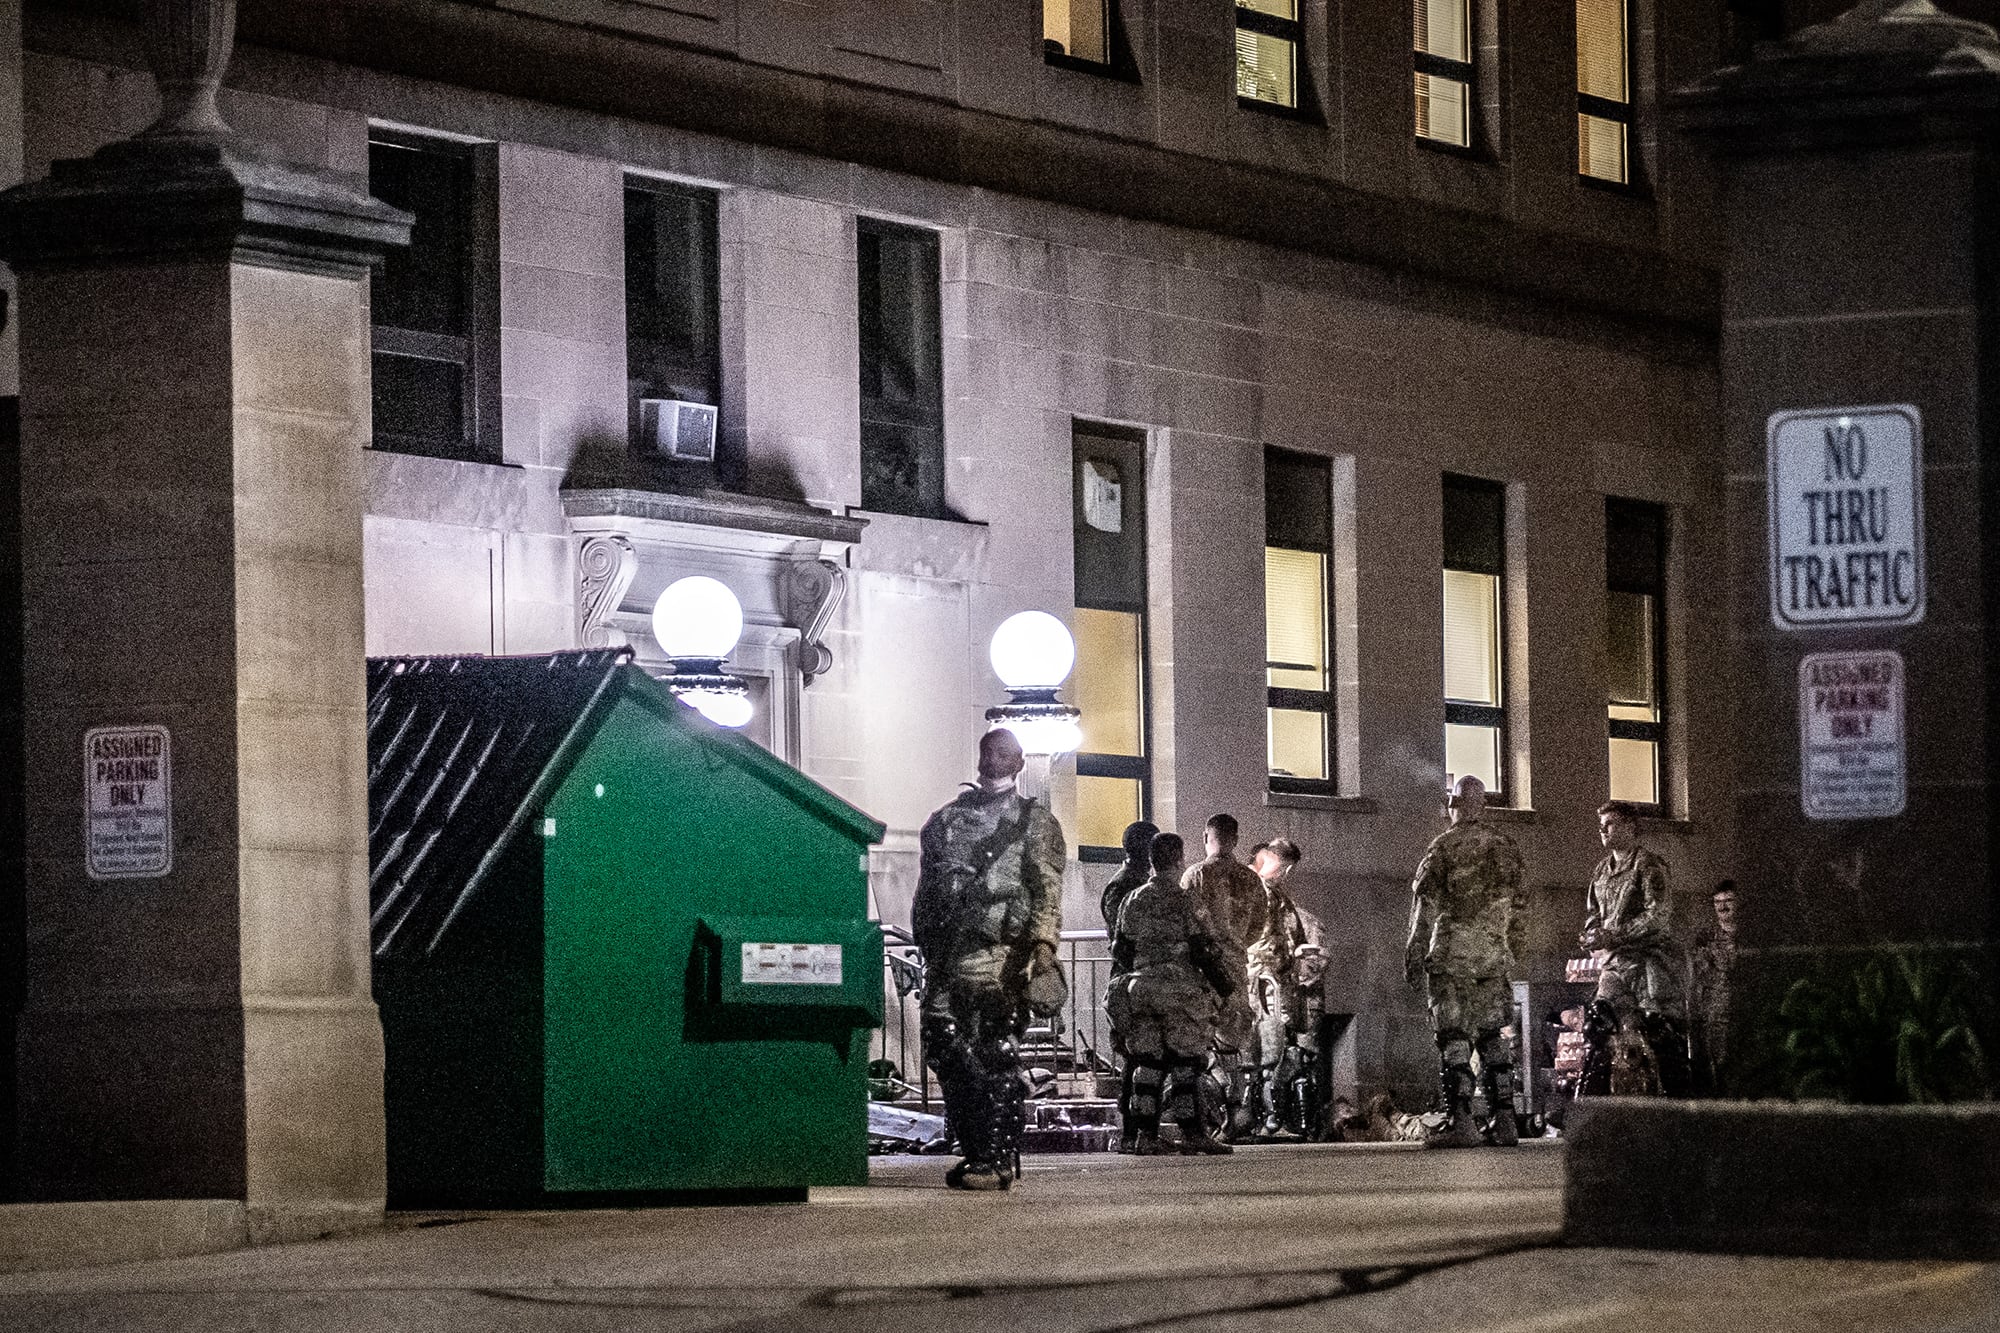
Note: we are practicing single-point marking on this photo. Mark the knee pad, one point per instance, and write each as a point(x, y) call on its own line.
point(1455, 1048)
point(1600, 1020)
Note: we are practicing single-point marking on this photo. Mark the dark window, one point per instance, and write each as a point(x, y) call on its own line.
point(1298, 658)
point(902, 376)
point(1113, 771)
point(1268, 38)
point(1475, 716)
point(433, 303)
point(1444, 71)
point(1635, 559)
point(1604, 90)
point(672, 329)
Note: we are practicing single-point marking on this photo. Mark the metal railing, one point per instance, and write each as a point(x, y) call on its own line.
point(1074, 1045)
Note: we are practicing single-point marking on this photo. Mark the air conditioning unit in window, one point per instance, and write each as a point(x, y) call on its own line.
point(684, 432)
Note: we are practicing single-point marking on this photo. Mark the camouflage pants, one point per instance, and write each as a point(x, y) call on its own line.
point(1469, 1005)
point(971, 1030)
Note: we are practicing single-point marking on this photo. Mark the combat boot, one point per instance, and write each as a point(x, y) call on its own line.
point(984, 1176)
point(1460, 1130)
point(1196, 1141)
point(1503, 1131)
point(1148, 1145)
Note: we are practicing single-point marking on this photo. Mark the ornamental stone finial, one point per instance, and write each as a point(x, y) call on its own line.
point(188, 44)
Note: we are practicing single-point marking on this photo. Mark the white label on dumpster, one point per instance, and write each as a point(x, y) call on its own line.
point(128, 786)
point(791, 964)
point(1851, 735)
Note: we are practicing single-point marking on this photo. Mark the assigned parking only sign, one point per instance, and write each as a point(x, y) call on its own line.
point(1847, 516)
point(1851, 754)
point(128, 784)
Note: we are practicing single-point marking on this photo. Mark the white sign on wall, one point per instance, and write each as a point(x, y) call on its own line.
point(791, 964)
point(1847, 516)
point(128, 785)
point(1851, 753)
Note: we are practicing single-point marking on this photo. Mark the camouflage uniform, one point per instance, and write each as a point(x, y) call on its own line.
point(1708, 1003)
point(1630, 914)
point(1232, 896)
point(1164, 1001)
point(1279, 982)
point(1469, 919)
point(1129, 877)
point(988, 891)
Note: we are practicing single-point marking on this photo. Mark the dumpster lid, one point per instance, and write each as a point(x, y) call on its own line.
point(463, 750)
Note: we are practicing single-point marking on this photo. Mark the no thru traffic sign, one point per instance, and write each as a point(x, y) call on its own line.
point(1846, 516)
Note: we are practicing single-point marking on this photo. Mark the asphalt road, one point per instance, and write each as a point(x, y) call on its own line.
point(1319, 1237)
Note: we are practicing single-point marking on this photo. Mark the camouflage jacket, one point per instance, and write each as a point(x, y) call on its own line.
point(1161, 926)
point(1233, 897)
point(1130, 876)
point(1273, 948)
point(1469, 909)
point(1631, 907)
point(990, 874)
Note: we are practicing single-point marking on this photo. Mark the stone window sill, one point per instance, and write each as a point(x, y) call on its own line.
point(1342, 805)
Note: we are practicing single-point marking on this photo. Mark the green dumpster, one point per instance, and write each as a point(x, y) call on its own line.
point(619, 952)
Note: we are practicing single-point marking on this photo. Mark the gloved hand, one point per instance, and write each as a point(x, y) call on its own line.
point(1048, 989)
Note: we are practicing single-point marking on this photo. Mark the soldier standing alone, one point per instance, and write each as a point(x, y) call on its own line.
point(1468, 922)
point(987, 913)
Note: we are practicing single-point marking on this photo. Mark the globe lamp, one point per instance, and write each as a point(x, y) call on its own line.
point(697, 621)
point(1032, 653)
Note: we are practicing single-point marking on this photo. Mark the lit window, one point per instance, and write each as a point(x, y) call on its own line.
point(1475, 718)
point(1444, 71)
point(1267, 51)
point(1114, 774)
point(1603, 91)
point(1298, 536)
point(1635, 561)
point(1077, 29)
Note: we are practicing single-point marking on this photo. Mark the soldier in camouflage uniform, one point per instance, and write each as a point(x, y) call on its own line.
point(1169, 964)
point(1282, 968)
point(987, 912)
point(1630, 919)
point(1234, 899)
point(1709, 969)
point(1138, 841)
point(1468, 923)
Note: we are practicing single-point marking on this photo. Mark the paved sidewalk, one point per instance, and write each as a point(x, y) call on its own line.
point(1299, 1237)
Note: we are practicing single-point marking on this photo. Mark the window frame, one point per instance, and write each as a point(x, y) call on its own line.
point(1460, 712)
point(477, 350)
point(1465, 72)
point(1291, 31)
point(726, 471)
point(1127, 448)
point(1656, 730)
point(924, 420)
point(1288, 699)
point(1117, 63)
point(1604, 108)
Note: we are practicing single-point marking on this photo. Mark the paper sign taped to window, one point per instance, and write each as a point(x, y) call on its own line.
point(1103, 495)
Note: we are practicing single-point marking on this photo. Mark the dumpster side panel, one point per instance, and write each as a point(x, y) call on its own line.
point(462, 1032)
point(648, 1087)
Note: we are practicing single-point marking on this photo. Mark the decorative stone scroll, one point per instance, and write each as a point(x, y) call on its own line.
point(812, 591)
point(604, 570)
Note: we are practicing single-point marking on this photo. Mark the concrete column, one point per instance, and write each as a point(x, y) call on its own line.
point(195, 406)
point(1859, 185)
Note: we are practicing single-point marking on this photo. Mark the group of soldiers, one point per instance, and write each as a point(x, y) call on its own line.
point(1216, 970)
point(1213, 966)
point(1467, 923)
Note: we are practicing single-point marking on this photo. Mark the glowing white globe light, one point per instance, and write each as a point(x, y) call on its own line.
point(1032, 650)
point(724, 710)
point(698, 617)
point(1045, 735)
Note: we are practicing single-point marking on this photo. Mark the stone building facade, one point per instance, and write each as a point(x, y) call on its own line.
point(1125, 251)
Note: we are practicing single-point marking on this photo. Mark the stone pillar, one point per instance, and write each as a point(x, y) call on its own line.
point(1859, 180)
point(195, 406)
